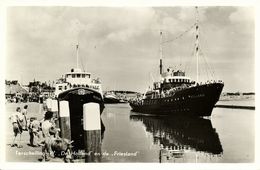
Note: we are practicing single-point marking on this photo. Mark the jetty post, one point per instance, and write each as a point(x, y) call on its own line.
point(48, 103)
point(53, 106)
point(92, 132)
point(64, 119)
point(54, 109)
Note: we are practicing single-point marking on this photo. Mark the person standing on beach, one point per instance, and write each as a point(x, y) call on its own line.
point(34, 129)
point(24, 113)
point(47, 127)
point(17, 123)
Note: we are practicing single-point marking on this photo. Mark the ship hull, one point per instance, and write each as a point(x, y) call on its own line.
point(77, 97)
point(193, 101)
point(108, 100)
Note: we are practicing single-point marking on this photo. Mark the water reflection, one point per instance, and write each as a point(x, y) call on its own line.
point(179, 135)
point(103, 128)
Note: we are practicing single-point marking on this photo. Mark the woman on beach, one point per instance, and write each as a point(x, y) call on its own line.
point(17, 123)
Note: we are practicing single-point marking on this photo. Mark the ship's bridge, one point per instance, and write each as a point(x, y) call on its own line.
point(78, 77)
point(172, 76)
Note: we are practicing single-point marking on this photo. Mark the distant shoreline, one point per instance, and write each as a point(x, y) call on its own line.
point(236, 107)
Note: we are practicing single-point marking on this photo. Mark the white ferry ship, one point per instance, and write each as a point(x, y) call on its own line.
point(77, 78)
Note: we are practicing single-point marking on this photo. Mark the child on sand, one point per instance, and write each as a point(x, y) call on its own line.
point(34, 129)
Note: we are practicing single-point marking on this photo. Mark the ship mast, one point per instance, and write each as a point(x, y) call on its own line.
point(77, 50)
point(161, 53)
point(197, 42)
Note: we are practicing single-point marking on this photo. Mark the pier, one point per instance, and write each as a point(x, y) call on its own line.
point(235, 107)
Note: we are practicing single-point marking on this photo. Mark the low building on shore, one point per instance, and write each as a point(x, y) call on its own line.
point(14, 92)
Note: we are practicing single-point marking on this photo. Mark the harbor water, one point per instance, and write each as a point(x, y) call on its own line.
point(225, 137)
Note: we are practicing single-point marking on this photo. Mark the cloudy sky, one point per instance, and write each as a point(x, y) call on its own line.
point(121, 45)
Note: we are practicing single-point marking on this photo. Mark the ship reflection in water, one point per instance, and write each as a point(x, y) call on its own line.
point(177, 136)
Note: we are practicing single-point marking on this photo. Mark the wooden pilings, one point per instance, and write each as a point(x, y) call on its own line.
point(64, 116)
point(92, 132)
point(87, 133)
point(48, 103)
point(52, 105)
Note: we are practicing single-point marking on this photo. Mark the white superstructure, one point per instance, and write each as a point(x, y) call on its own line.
point(77, 78)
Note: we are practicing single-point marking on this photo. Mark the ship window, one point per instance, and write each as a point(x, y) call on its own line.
point(83, 75)
point(60, 87)
point(73, 75)
point(68, 75)
point(74, 85)
point(78, 75)
point(88, 75)
point(65, 87)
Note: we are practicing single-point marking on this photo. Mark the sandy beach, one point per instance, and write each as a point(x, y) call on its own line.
point(27, 153)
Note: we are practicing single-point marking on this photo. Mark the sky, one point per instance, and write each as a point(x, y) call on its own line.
point(120, 45)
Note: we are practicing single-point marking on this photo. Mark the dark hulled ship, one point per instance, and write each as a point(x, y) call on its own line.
point(176, 93)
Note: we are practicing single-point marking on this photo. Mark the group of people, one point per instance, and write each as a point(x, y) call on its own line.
point(42, 133)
